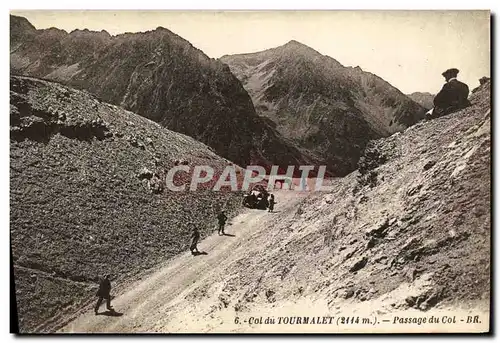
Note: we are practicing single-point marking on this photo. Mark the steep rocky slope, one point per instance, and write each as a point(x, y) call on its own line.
point(331, 110)
point(407, 233)
point(424, 99)
point(87, 197)
point(159, 75)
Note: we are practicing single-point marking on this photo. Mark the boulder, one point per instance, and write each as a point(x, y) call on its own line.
point(360, 264)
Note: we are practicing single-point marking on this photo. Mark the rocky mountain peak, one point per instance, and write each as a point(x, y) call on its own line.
point(293, 44)
point(297, 49)
point(325, 107)
point(89, 33)
point(20, 23)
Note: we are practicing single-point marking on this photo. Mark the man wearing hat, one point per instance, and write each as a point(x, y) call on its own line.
point(222, 221)
point(452, 97)
point(104, 293)
point(195, 237)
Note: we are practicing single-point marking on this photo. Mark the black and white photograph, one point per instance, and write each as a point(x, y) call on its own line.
point(250, 171)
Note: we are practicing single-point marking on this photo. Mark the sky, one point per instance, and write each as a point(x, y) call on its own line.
point(409, 49)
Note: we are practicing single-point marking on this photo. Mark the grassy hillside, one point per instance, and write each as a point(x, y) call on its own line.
point(82, 204)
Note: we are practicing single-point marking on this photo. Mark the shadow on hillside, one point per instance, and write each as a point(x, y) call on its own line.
point(228, 234)
point(198, 253)
point(111, 313)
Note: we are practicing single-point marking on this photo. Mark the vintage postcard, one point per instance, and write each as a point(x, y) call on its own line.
point(250, 171)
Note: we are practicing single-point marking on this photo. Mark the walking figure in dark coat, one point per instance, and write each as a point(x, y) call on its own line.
point(195, 237)
point(271, 203)
point(104, 293)
point(222, 221)
point(451, 98)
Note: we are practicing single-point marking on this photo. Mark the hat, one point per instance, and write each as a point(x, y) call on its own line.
point(451, 72)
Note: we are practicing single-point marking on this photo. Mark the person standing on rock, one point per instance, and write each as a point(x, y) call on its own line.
point(195, 237)
point(222, 221)
point(451, 98)
point(271, 203)
point(104, 293)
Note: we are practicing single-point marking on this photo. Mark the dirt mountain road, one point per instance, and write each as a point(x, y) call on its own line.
point(144, 302)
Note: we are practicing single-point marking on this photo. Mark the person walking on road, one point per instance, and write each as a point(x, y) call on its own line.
point(104, 293)
point(222, 221)
point(271, 203)
point(195, 237)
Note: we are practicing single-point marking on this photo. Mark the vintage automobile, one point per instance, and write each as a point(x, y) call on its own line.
point(257, 198)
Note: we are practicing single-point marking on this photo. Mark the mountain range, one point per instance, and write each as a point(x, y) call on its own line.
point(329, 109)
point(286, 106)
point(425, 99)
point(160, 76)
